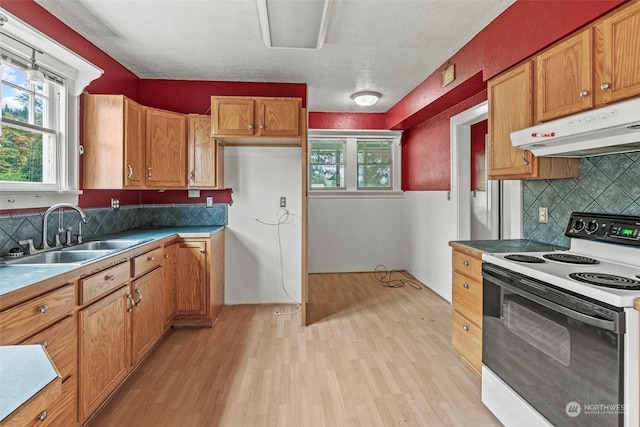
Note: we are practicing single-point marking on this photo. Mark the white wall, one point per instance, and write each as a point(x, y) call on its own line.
point(428, 230)
point(355, 234)
point(259, 176)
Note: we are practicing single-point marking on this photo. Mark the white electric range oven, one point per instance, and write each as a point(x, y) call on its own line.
point(561, 339)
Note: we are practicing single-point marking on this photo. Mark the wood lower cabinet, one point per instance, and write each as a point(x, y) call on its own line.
point(104, 348)
point(466, 301)
point(146, 323)
point(169, 280)
point(511, 108)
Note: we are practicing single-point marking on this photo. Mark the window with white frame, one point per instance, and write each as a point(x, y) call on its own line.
point(32, 121)
point(352, 162)
point(40, 141)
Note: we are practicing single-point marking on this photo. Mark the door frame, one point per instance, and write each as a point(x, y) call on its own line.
point(461, 172)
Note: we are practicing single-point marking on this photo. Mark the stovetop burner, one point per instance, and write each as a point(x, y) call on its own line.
point(524, 258)
point(607, 280)
point(570, 258)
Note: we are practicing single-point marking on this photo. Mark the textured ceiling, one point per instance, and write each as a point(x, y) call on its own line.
point(385, 46)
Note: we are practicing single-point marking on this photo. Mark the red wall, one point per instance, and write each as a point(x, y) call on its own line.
point(371, 121)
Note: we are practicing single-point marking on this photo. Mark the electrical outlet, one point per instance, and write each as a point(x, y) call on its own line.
point(115, 204)
point(209, 202)
point(283, 202)
point(543, 215)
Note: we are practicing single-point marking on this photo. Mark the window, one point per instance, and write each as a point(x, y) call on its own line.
point(30, 127)
point(40, 141)
point(354, 162)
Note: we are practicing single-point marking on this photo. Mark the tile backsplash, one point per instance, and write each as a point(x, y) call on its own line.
point(102, 221)
point(605, 184)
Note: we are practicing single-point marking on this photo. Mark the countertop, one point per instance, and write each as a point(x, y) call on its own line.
point(15, 277)
point(507, 245)
point(30, 371)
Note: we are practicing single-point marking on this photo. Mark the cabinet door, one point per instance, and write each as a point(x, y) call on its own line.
point(203, 154)
point(166, 149)
point(191, 294)
point(564, 78)
point(279, 117)
point(621, 50)
point(104, 345)
point(169, 280)
point(510, 108)
point(232, 116)
point(147, 322)
point(134, 123)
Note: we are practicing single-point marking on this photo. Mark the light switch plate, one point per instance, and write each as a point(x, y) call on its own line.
point(543, 215)
point(209, 202)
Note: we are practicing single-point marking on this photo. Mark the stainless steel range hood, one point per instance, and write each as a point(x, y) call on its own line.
point(607, 130)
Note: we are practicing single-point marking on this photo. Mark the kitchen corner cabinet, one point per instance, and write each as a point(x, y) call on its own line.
point(206, 157)
point(166, 149)
point(114, 144)
point(466, 301)
point(256, 121)
point(200, 281)
point(511, 108)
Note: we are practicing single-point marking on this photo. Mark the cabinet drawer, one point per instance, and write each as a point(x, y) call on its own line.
point(59, 341)
point(147, 262)
point(23, 320)
point(467, 265)
point(467, 297)
point(36, 410)
point(102, 283)
point(466, 338)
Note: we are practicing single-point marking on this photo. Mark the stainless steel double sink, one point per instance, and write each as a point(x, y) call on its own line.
point(77, 254)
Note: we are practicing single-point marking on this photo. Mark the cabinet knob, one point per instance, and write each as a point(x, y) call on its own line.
point(605, 86)
point(42, 416)
point(151, 258)
point(250, 126)
point(584, 93)
point(465, 328)
point(261, 126)
point(43, 308)
point(465, 263)
point(202, 250)
point(166, 256)
point(465, 285)
point(109, 277)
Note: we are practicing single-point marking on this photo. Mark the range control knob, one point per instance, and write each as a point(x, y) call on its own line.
point(592, 226)
point(578, 225)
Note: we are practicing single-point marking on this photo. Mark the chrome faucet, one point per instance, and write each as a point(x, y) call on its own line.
point(45, 244)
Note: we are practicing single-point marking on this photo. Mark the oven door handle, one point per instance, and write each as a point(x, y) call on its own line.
point(609, 325)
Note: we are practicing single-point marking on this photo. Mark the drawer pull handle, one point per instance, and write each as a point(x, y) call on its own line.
point(465, 285)
point(151, 258)
point(42, 416)
point(130, 309)
point(111, 277)
point(44, 344)
point(465, 263)
point(166, 256)
point(140, 295)
point(43, 308)
point(465, 328)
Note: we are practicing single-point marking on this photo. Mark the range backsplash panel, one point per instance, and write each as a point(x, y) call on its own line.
point(605, 184)
point(103, 221)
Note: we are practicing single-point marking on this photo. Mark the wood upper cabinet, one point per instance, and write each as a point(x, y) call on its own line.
point(259, 121)
point(618, 54)
point(166, 149)
point(511, 108)
point(564, 83)
point(206, 157)
point(113, 141)
point(104, 352)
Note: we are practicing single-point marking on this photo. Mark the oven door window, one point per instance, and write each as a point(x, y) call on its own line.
point(552, 360)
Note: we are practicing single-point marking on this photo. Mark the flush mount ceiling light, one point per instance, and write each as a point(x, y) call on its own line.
point(294, 23)
point(366, 98)
point(33, 74)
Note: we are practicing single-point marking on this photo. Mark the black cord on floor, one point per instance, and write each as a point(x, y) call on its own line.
point(383, 276)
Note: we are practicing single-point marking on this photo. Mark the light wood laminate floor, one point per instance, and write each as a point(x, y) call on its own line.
point(373, 356)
